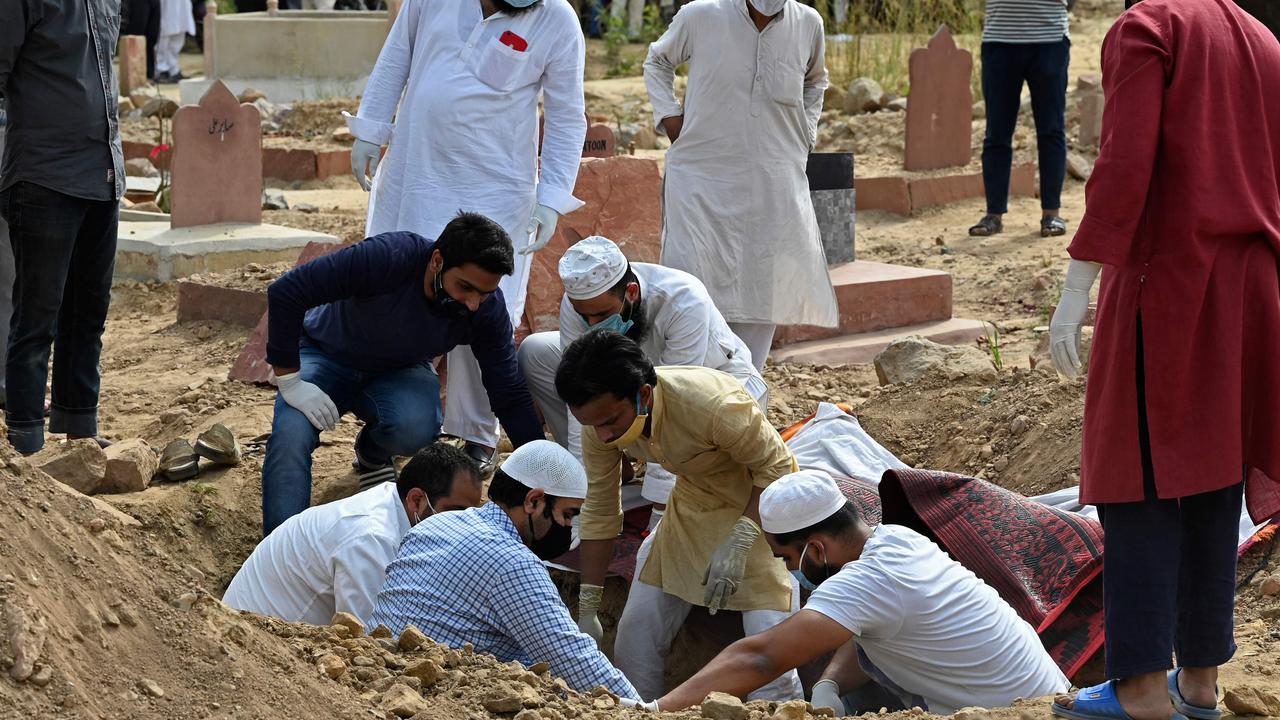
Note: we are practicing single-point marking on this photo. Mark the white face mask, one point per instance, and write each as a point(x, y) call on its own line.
point(768, 7)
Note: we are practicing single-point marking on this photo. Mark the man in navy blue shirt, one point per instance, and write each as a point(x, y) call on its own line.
point(356, 330)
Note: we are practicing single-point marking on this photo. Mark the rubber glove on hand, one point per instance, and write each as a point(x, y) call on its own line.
point(651, 706)
point(589, 597)
point(365, 156)
point(309, 400)
point(826, 694)
point(543, 222)
point(1064, 329)
point(729, 563)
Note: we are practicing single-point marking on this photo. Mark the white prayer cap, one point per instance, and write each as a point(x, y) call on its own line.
point(544, 465)
point(799, 500)
point(590, 267)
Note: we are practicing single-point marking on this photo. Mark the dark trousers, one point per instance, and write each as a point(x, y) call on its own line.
point(64, 252)
point(1043, 66)
point(142, 17)
point(1170, 572)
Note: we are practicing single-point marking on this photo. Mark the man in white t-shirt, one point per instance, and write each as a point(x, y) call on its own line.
point(896, 610)
point(333, 558)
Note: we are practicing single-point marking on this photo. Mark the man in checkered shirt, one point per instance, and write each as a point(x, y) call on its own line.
point(476, 576)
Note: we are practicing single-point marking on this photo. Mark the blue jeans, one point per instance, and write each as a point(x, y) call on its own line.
point(400, 408)
point(1044, 68)
point(64, 252)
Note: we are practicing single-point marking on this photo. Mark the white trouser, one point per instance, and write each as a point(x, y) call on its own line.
point(540, 356)
point(758, 337)
point(635, 14)
point(467, 414)
point(651, 620)
point(167, 49)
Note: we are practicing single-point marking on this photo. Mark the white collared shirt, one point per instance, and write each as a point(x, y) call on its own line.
point(328, 559)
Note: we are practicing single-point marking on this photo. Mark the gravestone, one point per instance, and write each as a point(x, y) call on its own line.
point(217, 161)
point(1089, 103)
point(940, 110)
point(600, 142)
point(831, 189)
point(133, 64)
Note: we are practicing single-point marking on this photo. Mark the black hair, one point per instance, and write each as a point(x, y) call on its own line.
point(509, 492)
point(432, 470)
point(473, 238)
point(599, 362)
point(840, 523)
point(619, 288)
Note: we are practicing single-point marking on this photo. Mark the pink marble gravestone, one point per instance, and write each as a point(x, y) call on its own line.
point(1089, 103)
point(133, 64)
point(940, 111)
point(600, 142)
point(217, 161)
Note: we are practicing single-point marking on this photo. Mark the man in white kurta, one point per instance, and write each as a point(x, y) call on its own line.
point(176, 23)
point(465, 136)
point(736, 206)
point(333, 558)
point(667, 312)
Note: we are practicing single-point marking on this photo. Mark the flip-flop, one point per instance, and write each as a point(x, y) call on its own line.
point(1198, 712)
point(1094, 703)
point(1099, 703)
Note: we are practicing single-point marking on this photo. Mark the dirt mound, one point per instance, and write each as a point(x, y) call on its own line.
point(317, 118)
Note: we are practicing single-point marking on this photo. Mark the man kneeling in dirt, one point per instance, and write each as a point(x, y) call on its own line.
point(356, 331)
point(909, 625)
point(333, 558)
point(477, 576)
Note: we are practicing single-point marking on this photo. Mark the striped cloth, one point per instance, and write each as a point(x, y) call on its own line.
point(1025, 21)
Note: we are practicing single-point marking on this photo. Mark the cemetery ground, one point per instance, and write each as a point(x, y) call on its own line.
point(108, 603)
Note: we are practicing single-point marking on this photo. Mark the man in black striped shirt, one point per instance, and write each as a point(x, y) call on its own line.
point(1024, 40)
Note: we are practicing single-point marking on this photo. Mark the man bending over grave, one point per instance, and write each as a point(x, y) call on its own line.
point(356, 331)
point(666, 311)
point(909, 626)
point(334, 557)
point(477, 576)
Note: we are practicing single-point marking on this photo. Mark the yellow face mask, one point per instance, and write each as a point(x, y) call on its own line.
point(637, 428)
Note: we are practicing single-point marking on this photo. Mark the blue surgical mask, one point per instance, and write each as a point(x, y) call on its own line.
point(799, 575)
point(615, 323)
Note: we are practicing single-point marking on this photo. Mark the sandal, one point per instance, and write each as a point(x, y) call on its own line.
point(179, 461)
point(1099, 702)
point(989, 225)
point(1180, 704)
point(1052, 226)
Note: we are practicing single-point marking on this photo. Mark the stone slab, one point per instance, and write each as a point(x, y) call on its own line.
point(133, 64)
point(279, 89)
point(217, 161)
point(906, 194)
point(863, 347)
point(940, 111)
point(198, 302)
point(874, 296)
point(251, 365)
point(153, 251)
point(290, 165)
point(1089, 103)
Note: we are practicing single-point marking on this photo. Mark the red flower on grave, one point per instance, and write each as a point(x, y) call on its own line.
point(161, 148)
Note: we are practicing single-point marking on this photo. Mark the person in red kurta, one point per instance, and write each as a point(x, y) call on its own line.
point(1183, 398)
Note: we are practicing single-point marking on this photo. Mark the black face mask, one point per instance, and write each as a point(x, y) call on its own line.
point(555, 542)
point(444, 301)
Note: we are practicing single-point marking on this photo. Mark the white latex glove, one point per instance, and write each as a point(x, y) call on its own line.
point(729, 563)
point(365, 156)
point(1064, 329)
point(543, 222)
point(589, 597)
point(309, 400)
point(651, 706)
point(826, 694)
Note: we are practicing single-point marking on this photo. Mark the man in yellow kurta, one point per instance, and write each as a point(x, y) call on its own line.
point(701, 426)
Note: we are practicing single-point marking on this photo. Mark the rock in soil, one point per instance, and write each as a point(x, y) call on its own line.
point(130, 466)
point(402, 701)
point(349, 621)
point(79, 463)
point(722, 706)
point(26, 640)
point(1248, 700)
point(864, 96)
point(793, 710)
point(912, 358)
